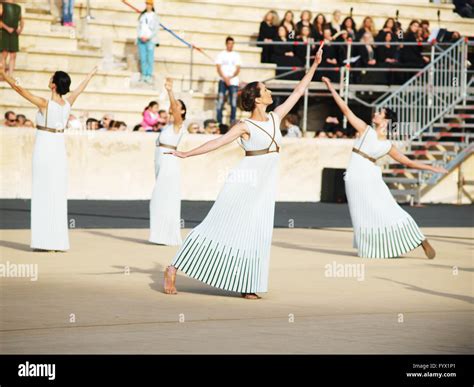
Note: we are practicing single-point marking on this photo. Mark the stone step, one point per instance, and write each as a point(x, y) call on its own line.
point(400, 180)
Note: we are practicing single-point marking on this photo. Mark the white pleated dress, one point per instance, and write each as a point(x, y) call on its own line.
point(165, 203)
point(382, 229)
point(49, 225)
point(230, 249)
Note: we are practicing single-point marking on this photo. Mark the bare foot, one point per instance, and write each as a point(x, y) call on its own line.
point(251, 296)
point(429, 250)
point(170, 280)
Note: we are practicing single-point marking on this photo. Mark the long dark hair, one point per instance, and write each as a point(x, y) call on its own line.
point(248, 96)
point(144, 11)
point(62, 81)
point(183, 107)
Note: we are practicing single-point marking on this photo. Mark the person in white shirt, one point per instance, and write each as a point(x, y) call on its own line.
point(147, 31)
point(228, 64)
point(290, 124)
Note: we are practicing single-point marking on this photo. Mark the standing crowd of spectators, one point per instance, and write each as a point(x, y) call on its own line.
point(367, 55)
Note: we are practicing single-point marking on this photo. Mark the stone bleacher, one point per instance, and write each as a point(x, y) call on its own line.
point(108, 40)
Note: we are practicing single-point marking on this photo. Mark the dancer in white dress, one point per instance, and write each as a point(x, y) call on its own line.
point(382, 229)
point(230, 249)
point(49, 226)
point(165, 203)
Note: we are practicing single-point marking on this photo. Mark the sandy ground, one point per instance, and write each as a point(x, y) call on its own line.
point(104, 296)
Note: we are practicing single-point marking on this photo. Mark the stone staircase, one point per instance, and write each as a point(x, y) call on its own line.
point(108, 40)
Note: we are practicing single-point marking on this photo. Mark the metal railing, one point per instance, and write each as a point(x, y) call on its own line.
point(429, 95)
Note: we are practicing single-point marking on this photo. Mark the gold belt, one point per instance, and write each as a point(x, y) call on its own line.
point(39, 127)
point(261, 151)
point(168, 146)
point(355, 150)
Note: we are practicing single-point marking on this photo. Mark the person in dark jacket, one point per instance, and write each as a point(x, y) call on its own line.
point(289, 23)
point(319, 24)
point(386, 56)
point(348, 24)
point(301, 46)
point(284, 55)
point(268, 33)
point(305, 22)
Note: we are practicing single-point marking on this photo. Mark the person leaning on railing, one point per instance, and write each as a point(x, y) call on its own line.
point(268, 33)
point(284, 55)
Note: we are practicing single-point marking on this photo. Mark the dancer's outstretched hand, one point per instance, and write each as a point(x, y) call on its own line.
point(176, 153)
point(327, 81)
point(439, 170)
point(319, 54)
point(169, 84)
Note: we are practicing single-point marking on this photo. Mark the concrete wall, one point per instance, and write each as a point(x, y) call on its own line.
point(120, 165)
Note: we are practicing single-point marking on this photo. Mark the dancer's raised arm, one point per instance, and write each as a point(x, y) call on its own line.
point(355, 121)
point(75, 93)
point(235, 132)
point(40, 102)
point(402, 159)
point(175, 105)
point(299, 90)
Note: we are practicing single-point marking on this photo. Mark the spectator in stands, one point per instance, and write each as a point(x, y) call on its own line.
point(284, 55)
point(331, 126)
point(150, 116)
point(386, 56)
point(321, 134)
point(367, 26)
point(68, 13)
point(348, 24)
point(211, 127)
point(305, 21)
point(290, 126)
point(10, 118)
point(335, 24)
point(330, 58)
point(105, 122)
point(301, 49)
point(367, 59)
point(29, 124)
point(412, 55)
point(388, 27)
point(74, 123)
point(319, 24)
point(289, 24)
point(425, 30)
point(228, 64)
point(20, 120)
point(194, 127)
point(92, 124)
point(268, 33)
point(147, 31)
point(11, 27)
point(164, 117)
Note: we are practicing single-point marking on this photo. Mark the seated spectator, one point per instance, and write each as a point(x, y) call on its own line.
point(29, 124)
point(290, 126)
point(335, 24)
point(74, 123)
point(92, 124)
point(319, 25)
point(105, 122)
point(10, 119)
point(321, 134)
point(284, 55)
point(300, 49)
point(348, 24)
point(210, 126)
point(289, 23)
point(268, 33)
point(305, 21)
point(164, 117)
point(116, 126)
point(386, 56)
point(150, 116)
point(193, 128)
point(367, 26)
point(20, 120)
